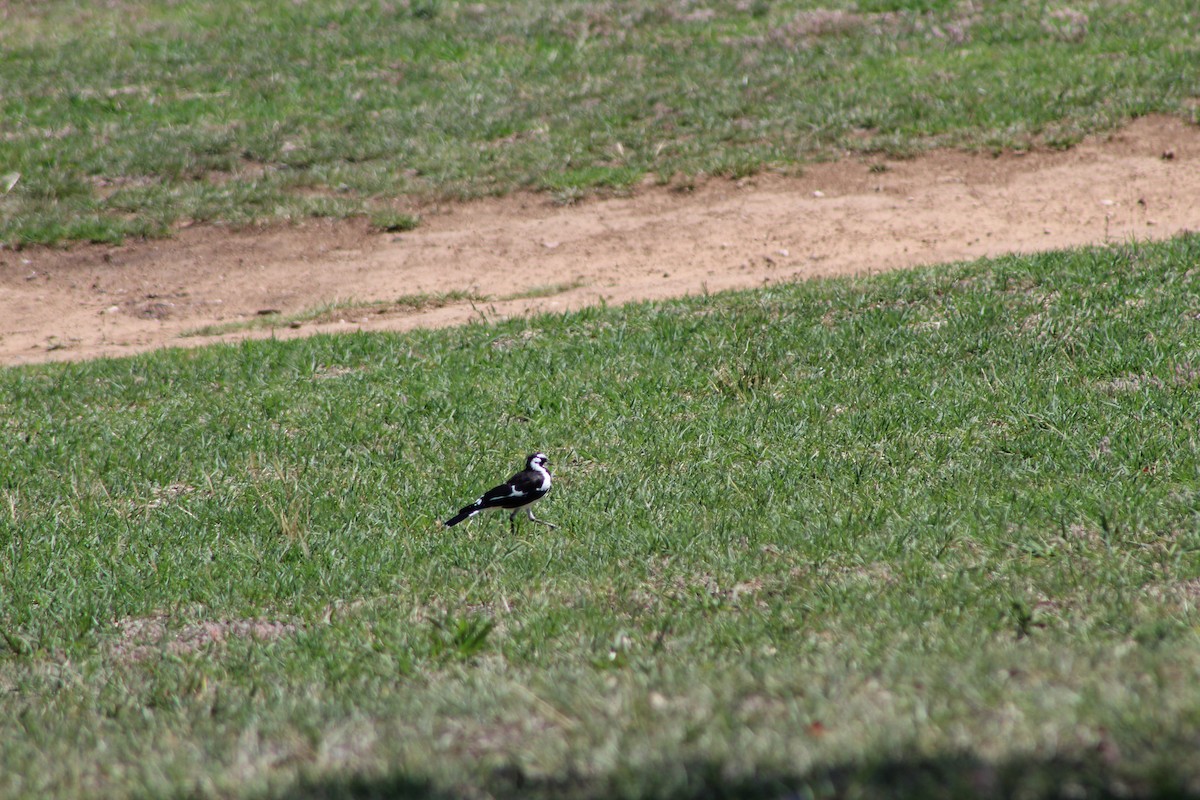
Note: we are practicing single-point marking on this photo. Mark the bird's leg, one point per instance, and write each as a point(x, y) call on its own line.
point(512, 521)
point(532, 518)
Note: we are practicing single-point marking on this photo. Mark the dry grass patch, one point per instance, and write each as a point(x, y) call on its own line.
point(141, 638)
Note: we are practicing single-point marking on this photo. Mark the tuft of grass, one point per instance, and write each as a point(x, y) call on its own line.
point(547, 290)
point(394, 222)
point(918, 534)
point(201, 113)
point(462, 639)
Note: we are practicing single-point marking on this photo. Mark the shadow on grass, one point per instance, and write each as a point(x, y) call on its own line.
point(962, 776)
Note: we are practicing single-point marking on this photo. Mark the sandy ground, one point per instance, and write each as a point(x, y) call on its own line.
point(523, 253)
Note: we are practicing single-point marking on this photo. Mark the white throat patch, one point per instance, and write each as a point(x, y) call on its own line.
point(540, 470)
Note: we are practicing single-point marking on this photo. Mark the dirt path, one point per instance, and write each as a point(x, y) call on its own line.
point(524, 253)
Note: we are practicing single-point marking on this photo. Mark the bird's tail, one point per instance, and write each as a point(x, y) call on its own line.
point(465, 513)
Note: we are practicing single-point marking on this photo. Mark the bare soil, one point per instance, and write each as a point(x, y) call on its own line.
point(523, 253)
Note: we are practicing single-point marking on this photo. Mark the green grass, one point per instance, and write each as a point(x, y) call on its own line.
point(125, 120)
point(390, 221)
point(927, 534)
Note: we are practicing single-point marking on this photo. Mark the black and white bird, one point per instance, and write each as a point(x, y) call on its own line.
point(516, 493)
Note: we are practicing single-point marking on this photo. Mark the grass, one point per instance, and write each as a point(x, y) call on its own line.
point(390, 221)
point(127, 124)
point(929, 534)
point(548, 290)
point(338, 309)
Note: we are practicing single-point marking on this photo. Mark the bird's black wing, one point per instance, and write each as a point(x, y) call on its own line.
point(516, 491)
point(513, 493)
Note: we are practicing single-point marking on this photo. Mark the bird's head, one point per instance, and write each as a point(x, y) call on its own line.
point(537, 460)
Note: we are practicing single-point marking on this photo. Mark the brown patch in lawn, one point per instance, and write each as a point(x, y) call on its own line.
point(139, 638)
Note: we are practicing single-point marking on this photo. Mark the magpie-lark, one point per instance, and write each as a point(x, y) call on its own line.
point(518, 492)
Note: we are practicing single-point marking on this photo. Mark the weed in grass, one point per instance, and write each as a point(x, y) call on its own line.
point(462, 638)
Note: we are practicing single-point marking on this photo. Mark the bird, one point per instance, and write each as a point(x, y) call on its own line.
point(516, 493)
